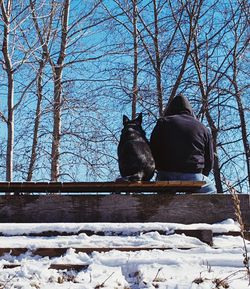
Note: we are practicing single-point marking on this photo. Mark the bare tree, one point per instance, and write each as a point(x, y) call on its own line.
point(240, 45)
point(41, 59)
point(193, 10)
point(206, 110)
point(33, 157)
point(57, 68)
point(215, 90)
point(63, 36)
point(57, 75)
point(156, 57)
point(12, 25)
point(125, 16)
point(8, 67)
point(135, 72)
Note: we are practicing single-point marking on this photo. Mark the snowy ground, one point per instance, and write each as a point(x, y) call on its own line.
point(199, 267)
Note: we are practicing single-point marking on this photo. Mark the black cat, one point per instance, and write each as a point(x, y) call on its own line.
point(135, 159)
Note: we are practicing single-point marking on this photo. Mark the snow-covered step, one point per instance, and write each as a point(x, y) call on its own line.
point(142, 269)
point(126, 229)
point(58, 246)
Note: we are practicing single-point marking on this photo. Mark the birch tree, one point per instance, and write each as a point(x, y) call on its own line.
point(6, 9)
point(15, 54)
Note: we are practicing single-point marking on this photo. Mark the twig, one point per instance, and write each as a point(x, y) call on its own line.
point(155, 278)
point(222, 281)
point(102, 285)
point(5, 284)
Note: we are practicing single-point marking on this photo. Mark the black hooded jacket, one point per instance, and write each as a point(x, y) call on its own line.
point(179, 142)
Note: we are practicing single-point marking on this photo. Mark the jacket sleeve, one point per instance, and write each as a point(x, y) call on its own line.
point(209, 155)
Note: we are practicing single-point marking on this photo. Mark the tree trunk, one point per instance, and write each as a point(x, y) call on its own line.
point(10, 74)
point(244, 134)
point(205, 109)
point(157, 62)
point(243, 126)
point(57, 106)
point(10, 129)
point(55, 152)
point(214, 131)
point(37, 123)
point(135, 72)
point(216, 168)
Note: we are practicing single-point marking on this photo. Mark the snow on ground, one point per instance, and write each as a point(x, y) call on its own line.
point(200, 267)
point(28, 228)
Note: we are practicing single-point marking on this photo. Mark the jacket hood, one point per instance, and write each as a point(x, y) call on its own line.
point(179, 105)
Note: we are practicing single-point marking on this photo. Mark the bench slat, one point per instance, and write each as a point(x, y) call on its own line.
point(99, 186)
point(119, 208)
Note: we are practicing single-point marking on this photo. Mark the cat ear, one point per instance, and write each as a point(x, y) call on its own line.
point(139, 118)
point(125, 119)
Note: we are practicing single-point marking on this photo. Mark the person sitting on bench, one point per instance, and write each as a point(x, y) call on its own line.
point(182, 146)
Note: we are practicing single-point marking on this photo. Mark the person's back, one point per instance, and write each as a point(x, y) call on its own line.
point(181, 145)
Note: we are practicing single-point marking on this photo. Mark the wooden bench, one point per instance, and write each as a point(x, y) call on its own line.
point(106, 202)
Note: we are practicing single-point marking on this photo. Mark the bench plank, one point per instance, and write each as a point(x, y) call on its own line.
point(96, 187)
point(118, 208)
